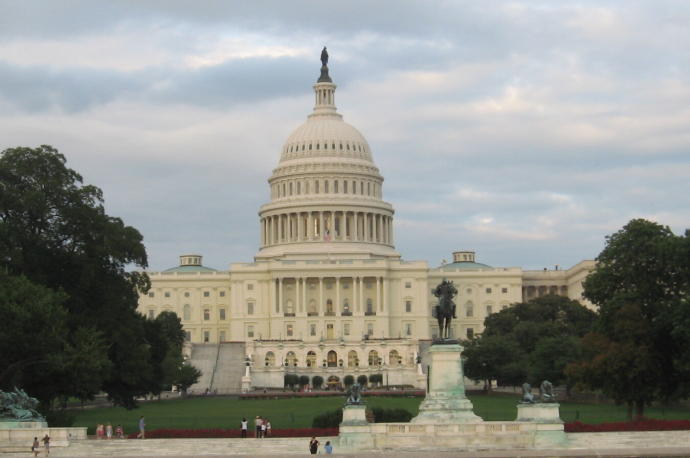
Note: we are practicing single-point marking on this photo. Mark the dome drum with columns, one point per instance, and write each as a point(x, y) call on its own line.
point(327, 289)
point(326, 193)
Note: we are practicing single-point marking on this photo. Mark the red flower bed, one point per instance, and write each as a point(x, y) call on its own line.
point(318, 394)
point(646, 424)
point(232, 433)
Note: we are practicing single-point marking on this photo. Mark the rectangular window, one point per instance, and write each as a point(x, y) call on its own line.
point(188, 335)
point(207, 336)
point(221, 336)
point(312, 329)
point(186, 294)
point(250, 308)
point(250, 286)
point(221, 314)
point(504, 290)
point(488, 290)
point(289, 330)
point(250, 331)
point(408, 306)
point(408, 329)
point(329, 285)
point(346, 329)
point(221, 294)
point(207, 314)
point(151, 294)
point(488, 310)
point(408, 284)
point(469, 310)
point(346, 286)
point(152, 314)
point(370, 329)
point(207, 294)
point(167, 294)
point(470, 333)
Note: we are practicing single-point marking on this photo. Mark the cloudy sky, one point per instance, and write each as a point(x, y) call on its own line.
point(525, 130)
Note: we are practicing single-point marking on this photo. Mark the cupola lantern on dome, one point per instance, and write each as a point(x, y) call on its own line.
point(326, 193)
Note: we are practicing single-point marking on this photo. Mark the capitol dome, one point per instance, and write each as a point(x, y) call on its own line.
point(326, 192)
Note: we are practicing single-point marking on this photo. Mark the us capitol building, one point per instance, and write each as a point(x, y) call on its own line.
point(327, 293)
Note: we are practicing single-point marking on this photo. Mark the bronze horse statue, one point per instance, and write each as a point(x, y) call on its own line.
point(445, 310)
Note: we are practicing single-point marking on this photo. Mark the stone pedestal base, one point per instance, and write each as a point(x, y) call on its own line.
point(246, 384)
point(354, 414)
point(445, 401)
point(539, 412)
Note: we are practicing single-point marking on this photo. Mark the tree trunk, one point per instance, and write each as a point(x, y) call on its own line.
point(630, 410)
point(639, 410)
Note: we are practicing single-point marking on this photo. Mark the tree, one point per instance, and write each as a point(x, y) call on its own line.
point(317, 381)
point(303, 380)
point(532, 341)
point(187, 376)
point(55, 232)
point(376, 378)
point(639, 349)
point(290, 380)
point(362, 380)
point(348, 380)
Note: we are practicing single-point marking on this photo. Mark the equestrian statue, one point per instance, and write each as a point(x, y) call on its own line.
point(445, 310)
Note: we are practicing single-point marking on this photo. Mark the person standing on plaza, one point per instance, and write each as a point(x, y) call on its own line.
point(328, 448)
point(119, 432)
point(263, 428)
point(46, 444)
point(99, 431)
point(36, 445)
point(109, 431)
point(257, 423)
point(243, 426)
point(267, 422)
point(142, 428)
point(313, 445)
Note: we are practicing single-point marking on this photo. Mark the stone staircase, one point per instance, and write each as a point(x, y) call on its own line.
point(203, 358)
point(229, 368)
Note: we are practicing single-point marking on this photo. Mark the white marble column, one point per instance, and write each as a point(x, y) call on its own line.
point(384, 295)
point(331, 230)
point(337, 308)
point(378, 292)
point(280, 295)
point(361, 293)
point(321, 232)
point(320, 304)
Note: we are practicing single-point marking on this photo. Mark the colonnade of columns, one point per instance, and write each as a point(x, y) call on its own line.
point(327, 226)
point(356, 303)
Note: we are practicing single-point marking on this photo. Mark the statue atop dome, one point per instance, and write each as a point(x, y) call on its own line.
point(324, 78)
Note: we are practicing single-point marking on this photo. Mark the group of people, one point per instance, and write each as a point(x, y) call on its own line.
point(35, 447)
point(106, 431)
point(262, 427)
point(314, 447)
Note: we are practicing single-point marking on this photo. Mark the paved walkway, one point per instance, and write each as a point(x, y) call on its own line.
point(610, 445)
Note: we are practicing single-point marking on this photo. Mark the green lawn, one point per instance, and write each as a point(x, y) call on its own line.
point(220, 412)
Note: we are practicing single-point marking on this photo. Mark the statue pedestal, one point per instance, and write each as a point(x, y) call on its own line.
point(445, 400)
point(540, 412)
point(354, 431)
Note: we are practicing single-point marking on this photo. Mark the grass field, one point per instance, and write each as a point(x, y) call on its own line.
point(221, 412)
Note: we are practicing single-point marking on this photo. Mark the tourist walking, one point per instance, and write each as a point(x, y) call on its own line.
point(119, 432)
point(99, 431)
point(109, 431)
point(36, 445)
point(46, 444)
point(328, 448)
point(243, 426)
point(263, 428)
point(268, 427)
point(142, 428)
point(313, 446)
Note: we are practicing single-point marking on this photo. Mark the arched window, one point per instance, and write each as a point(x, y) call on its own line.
point(346, 306)
point(469, 309)
point(187, 312)
point(373, 358)
point(394, 358)
point(311, 359)
point(370, 306)
point(291, 359)
point(316, 186)
point(329, 306)
point(270, 359)
point(352, 359)
point(332, 359)
point(335, 186)
point(311, 308)
point(289, 308)
point(325, 186)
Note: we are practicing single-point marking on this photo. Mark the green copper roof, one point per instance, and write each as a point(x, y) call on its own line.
point(466, 265)
point(190, 269)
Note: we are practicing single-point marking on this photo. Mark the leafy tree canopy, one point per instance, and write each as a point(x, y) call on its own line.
point(530, 341)
point(640, 350)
